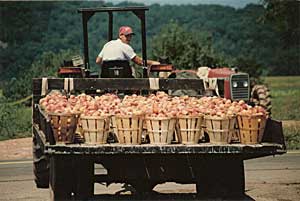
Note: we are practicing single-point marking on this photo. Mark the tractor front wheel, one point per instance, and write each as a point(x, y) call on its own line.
point(260, 95)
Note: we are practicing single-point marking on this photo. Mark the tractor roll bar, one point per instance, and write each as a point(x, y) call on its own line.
point(87, 13)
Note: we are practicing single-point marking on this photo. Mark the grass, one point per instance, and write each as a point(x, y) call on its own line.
point(292, 136)
point(285, 92)
point(15, 121)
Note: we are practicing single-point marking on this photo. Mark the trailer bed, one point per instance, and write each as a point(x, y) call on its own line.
point(216, 169)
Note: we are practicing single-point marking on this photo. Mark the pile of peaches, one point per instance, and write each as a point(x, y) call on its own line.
point(153, 105)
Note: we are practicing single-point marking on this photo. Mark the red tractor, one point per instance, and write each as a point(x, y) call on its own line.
point(225, 82)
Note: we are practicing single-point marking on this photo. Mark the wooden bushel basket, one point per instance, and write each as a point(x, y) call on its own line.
point(129, 129)
point(251, 128)
point(160, 129)
point(64, 127)
point(189, 129)
point(219, 129)
point(95, 129)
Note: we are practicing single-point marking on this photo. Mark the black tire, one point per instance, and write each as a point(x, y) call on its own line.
point(40, 165)
point(260, 95)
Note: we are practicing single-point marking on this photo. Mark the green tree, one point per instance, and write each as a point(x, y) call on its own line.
point(285, 15)
point(250, 66)
point(47, 65)
point(185, 50)
point(23, 26)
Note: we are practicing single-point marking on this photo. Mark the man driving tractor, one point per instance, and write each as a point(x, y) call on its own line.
point(116, 54)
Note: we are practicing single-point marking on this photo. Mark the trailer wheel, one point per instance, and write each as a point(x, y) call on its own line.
point(260, 95)
point(40, 165)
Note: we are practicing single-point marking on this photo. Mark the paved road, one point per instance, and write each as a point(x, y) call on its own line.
point(268, 178)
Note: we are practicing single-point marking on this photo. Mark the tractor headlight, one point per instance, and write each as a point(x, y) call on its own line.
point(245, 83)
point(234, 84)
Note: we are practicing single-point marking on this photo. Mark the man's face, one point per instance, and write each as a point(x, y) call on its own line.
point(126, 38)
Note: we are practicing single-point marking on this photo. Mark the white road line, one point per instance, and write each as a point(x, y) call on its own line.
point(293, 152)
point(15, 162)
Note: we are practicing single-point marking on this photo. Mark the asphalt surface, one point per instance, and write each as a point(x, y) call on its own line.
point(267, 178)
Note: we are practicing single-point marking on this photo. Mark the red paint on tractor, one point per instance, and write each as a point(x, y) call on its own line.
point(220, 73)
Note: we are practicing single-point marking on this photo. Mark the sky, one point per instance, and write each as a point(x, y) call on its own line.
point(232, 3)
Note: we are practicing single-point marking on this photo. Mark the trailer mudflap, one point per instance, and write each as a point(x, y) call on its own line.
point(274, 132)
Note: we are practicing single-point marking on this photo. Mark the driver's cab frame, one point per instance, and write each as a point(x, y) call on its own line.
point(87, 13)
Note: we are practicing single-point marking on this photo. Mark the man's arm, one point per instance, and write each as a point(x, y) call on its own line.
point(138, 60)
point(98, 60)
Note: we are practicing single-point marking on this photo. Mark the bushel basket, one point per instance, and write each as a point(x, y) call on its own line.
point(129, 129)
point(63, 127)
point(251, 128)
point(188, 129)
point(220, 129)
point(95, 129)
point(160, 129)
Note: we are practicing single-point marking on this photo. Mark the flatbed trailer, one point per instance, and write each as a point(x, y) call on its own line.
point(217, 170)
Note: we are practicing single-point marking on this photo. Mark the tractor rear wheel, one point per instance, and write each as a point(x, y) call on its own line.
point(260, 95)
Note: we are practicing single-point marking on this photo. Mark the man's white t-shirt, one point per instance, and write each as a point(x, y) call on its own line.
point(117, 50)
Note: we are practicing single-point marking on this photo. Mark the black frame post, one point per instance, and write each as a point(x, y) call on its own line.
point(85, 18)
point(110, 26)
point(141, 16)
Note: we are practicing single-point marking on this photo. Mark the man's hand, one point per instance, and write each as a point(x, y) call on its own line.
point(138, 60)
point(154, 63)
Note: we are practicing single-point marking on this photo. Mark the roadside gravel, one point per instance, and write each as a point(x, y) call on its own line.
point(16, 149)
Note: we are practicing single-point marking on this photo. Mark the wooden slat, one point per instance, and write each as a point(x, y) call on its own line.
point(189, 132)
point(127, 133)
point(121, 137)
point(156, 133)
point(150, 127)
point(164, 130)
point(134, 132)
point(93, 133)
